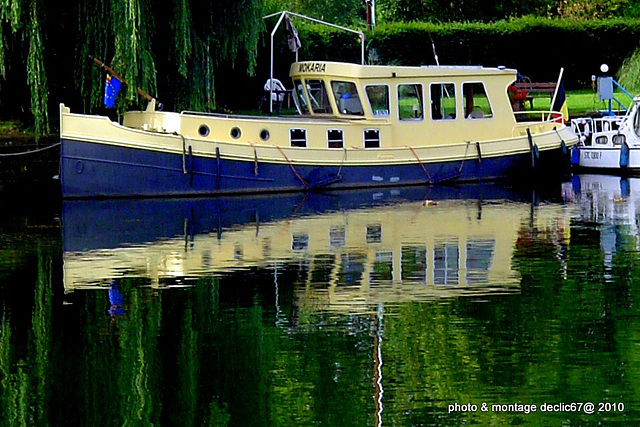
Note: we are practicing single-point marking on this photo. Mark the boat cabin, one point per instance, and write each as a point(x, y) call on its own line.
point(400, 93)
point(353, 106)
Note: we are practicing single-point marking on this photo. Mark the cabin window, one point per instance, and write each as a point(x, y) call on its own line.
point(446, 263)
point(479, 258)
point(335, 138)
point(300, 242)
point(413, 263)
point(318, 97)
point(298, 137)
point(337, 237)
point(443, 101)
point(378, 96)
point(476, 101)
point(347, 99)
point(371, 138)
point(298, 97)
point(410, 102)
point(602, 140)
point(619, 139)
point(352, 267)
point(374, 233)
point(382, 268)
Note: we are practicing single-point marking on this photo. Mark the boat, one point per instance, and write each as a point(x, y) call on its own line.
point(357, 125)
point(608, 143)
point(352, 249)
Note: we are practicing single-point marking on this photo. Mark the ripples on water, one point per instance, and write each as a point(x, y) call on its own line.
point(355, 308)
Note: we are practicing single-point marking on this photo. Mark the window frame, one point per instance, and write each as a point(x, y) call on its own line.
point(455, 98)
point(486, 95)
point(420, 99)
point(388, 93)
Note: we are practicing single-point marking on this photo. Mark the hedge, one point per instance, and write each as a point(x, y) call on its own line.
point(537, 47)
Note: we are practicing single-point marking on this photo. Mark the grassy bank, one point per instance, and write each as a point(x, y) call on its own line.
point(581, 102)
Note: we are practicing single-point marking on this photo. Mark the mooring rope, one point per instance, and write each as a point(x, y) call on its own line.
point(22, 153)
point(420, 162)
point(293, 169)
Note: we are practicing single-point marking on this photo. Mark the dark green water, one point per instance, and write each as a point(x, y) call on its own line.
point(387, 307)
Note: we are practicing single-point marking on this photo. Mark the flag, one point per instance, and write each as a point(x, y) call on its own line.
point(292, 35)
point(560, 103)
point(111, 88)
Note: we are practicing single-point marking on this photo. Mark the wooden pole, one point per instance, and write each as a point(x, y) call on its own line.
point(119, 77)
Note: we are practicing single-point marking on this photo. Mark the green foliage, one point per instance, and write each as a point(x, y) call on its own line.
point(596, 9)
point(206, 36)
point(186, 51)
point(537, 47)
point(340, 12)
point(629, 73)
point(36, 72)
point(179, 47)
point(24, 18)
point(132, 32)
point(459, 10)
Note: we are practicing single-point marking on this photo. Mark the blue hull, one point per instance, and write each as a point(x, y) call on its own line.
point(99, 170)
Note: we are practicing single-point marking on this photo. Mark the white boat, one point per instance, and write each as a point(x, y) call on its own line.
point(357, 126)
point(609, 143)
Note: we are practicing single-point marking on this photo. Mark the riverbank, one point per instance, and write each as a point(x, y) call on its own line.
point(580, 103)
point(25, 158)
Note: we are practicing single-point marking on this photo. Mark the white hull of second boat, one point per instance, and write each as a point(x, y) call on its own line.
point(610, 143)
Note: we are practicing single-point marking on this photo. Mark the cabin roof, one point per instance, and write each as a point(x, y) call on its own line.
point(356, 71)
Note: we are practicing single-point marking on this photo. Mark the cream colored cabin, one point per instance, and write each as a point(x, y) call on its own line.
point(367, 107)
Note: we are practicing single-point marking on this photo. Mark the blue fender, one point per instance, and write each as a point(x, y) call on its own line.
point(575, 155)
point(624, 155)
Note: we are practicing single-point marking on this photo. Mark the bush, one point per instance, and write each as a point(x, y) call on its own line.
point(537, 47)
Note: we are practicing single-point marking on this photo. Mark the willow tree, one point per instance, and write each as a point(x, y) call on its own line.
point(168, 48)
point(206, 35)
point(178, 42)
point(21, 23)
point(119, 32)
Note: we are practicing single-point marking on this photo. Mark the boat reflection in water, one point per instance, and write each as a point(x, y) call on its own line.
point(613, 203)
point(607, 199)
point(356, 249)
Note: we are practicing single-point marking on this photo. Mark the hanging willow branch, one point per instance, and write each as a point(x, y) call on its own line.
point(206, 35)
point(26, 27)
point(92, 38)
point(36, 73)
point(191, 43)
point(132, 28)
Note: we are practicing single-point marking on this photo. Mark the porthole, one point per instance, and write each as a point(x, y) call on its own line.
point(264, 135)
point(203, 130)
point(235, 132)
